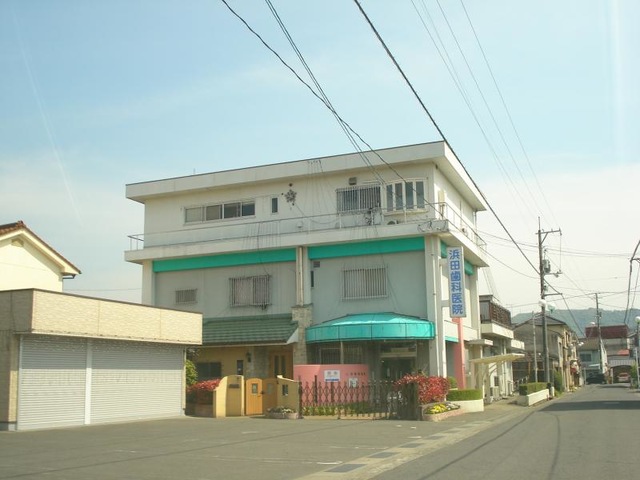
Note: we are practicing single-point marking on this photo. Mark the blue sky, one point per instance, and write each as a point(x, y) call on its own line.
point(96, 95)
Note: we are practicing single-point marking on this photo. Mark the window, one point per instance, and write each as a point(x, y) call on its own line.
point(193, 214)
point(353, 353)
point(586, 357)
point(359, 198)
point(208, 371)
point(209, 213)
point(407, 195)
point(186, 296)
point(279, 365)
point(364, 283)
point(274, 205)
point(250, 291)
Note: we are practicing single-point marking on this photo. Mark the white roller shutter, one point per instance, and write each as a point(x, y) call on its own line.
point(131, 380)
point(51, 387)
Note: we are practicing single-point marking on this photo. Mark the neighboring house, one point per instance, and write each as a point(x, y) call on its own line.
point(336, 260)
point(67, 360)
point(562, 344)
point(28, 262)
point(615, 352)
point(500, 345)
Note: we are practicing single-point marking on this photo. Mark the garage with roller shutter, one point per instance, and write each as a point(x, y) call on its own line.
point(75, 361)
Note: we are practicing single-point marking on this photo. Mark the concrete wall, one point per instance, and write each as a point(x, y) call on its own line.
point(38, 311)
point(52, 313)
point(405, 283)
point(214, 289)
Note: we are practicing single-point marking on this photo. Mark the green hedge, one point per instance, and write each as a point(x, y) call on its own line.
point(461, 395)
point(529, 388)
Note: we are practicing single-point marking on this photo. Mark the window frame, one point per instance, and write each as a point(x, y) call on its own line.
point(365, 283)
point(359, 198)
point(214, 212)
point(256, 291)
point(407, 195)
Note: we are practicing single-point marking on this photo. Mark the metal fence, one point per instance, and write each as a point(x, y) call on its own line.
point(375, 400)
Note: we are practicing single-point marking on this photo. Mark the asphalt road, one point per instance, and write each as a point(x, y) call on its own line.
point(588, 434)
point(591, 434)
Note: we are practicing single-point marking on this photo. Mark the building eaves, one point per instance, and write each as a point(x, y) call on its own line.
point(16, 228)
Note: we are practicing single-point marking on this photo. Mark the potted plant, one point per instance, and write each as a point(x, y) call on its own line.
point(282, 412)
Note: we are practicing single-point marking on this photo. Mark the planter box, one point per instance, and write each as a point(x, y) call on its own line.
point(437, 417)
point(470, 406)
point(203, 410)
point(533, 398)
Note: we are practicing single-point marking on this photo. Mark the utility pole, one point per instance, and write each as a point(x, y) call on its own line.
point(535, 353)
point(545, 269)
point(598, 317)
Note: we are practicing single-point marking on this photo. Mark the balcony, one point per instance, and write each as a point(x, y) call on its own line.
point(440, 219)
point(492, 329)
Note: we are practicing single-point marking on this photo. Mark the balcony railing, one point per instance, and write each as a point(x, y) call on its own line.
point(440, 217)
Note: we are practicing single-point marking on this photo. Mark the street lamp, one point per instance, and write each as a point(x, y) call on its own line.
point(637, 349)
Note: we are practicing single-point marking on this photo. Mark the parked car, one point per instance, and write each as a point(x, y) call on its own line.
point(624, 377)
point(596, 378)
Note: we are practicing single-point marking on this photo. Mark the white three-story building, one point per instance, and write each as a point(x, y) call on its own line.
point(340, 259)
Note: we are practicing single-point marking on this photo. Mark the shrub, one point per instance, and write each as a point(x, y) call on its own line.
point(202, 392)
point(430, 389)
point(453, 382)
point(191, 373)
point(281, 409)
point(558, 382)
point(462, 395)
point(528, 388)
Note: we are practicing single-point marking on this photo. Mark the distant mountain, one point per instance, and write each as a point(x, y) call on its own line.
point(578, 320)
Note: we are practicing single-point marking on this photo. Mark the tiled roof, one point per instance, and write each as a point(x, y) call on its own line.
point(21, 226)
point(264, 329)
point(12, 227)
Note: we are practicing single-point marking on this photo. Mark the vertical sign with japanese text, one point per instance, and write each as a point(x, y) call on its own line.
point(457, 304)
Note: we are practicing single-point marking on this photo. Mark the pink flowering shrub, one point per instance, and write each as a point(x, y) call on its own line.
point(430, 389)
point(202, 392)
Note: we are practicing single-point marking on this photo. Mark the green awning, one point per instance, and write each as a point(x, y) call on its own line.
point(372, 326)
point(266, 329)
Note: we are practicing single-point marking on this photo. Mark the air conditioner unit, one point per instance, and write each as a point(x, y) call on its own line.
point(353, 180)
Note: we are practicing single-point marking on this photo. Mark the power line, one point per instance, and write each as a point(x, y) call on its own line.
point(323, 100)
point(426, 110)
point(507, 111)
point(489, 109)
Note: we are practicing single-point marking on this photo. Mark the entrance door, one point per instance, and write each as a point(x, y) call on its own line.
point(395, 368)
point(261, 395)
point(269, 394)
point(253, 397)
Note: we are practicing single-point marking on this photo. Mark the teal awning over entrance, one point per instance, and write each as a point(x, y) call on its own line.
point(371, 326)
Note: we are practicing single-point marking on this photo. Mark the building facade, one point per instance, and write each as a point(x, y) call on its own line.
point(562, 345)
point(344, 259)
point(499, 345)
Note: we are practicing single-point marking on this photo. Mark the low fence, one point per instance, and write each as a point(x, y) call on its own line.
point(375, 400)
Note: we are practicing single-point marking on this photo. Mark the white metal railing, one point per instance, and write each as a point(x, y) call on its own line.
point(273, 229)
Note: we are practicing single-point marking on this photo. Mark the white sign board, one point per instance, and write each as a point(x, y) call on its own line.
point(457, 303)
